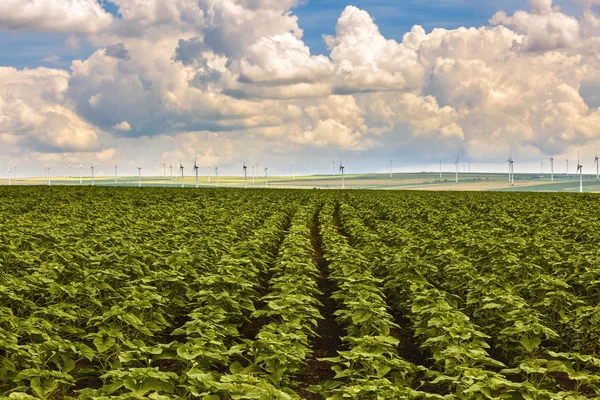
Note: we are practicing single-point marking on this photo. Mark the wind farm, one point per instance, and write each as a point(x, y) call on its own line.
point(425, 180)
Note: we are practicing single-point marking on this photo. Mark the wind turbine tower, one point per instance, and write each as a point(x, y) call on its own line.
point(580, 170)
point(597, 166)
point(551, 169)
point(333, 169)
point(245, 176)
point(93, 166)
point(68, 170)
point(457, 163)
point(8, 176)
point(48, 176)
point(342, 168)
point(567, 167)
point(266, 176)
point(208, 168)
point(509, 161)
point(196, 170)
point(80, 175)
point(15, 179)
point(171, 168)
point(181, 168)
point(139, 176)
point(117, 174)
point(217, 175)
point(440, 170)
point(253, 174)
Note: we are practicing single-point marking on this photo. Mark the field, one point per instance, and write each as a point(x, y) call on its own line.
point(399, 181)
point(158, 293)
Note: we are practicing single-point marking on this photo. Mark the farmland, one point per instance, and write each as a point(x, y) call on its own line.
point(158, 293)
point(475, 181)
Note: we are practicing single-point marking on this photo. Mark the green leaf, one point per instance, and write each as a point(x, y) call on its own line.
point(530, 344)
point(104, 342)
point(43, 387)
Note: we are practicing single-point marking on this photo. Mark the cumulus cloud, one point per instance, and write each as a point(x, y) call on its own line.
point(545, 28)
point(239, 72)
point(73, 16)
point(34, 115)
point(365, 60)
point(122, 126)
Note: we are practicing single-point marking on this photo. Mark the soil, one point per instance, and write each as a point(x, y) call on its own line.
point(328, 331)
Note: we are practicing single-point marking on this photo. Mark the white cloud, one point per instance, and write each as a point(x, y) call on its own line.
point(544, 29)
point(222, 77)
point(34, 115)
point(123, 126)
point(365, 60)
point(73, 16)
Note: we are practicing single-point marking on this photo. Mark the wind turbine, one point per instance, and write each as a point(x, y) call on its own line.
point(333, 169)
point(217, 175)
point(164, 165)
point(512, 172)
point(567, 167)
point(48, 176)
point(391, 169)
point(253, 174)
point(196, 170)
point(93, 166)
point(181, 168)
point(440, 170)
point(8, 176)
point(342, 168)
point(245, 176)
point(139, 176)
point(580, 170)
point(509, 161)
point(551, 169)
point(15, 172)
point(171, 168)
point(469, 166)
point(457, 163)
point(597, 165)
point(266, 176)
point(208, 168)
point(80, 175)
point(117, 174)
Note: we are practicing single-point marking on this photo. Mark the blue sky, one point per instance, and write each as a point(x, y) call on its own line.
point(245, 88)
point(316, 18)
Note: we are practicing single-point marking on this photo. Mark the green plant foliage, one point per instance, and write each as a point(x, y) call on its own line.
point(157, 293)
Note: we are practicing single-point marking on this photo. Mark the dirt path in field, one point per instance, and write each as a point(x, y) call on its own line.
point(329, 332)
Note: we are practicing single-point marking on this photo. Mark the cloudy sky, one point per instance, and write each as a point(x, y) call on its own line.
point(142, 82)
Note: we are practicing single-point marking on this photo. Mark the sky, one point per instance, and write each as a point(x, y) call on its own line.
point(276, 82)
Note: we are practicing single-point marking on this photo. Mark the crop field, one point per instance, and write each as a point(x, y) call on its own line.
point(475, 181)
point(158, 293)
